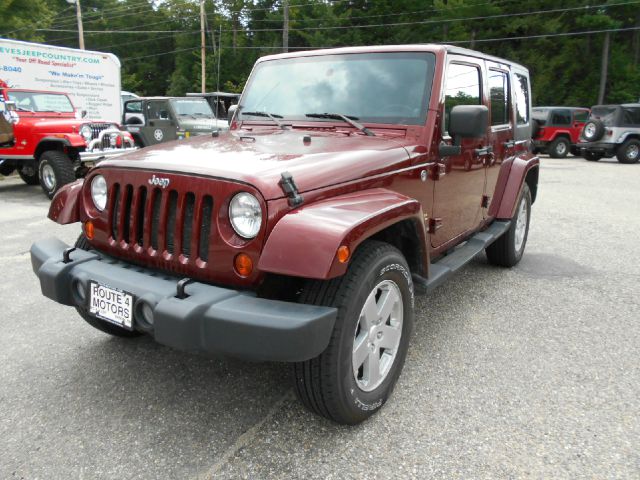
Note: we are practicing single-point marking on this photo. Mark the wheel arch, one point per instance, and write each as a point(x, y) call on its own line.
point(628, 136)
point(522, 169)
point(49, 143)
point(304, 243)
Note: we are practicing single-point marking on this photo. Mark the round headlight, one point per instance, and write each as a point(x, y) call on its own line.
point(245, 215)
point(86, 133)
point(99, 192)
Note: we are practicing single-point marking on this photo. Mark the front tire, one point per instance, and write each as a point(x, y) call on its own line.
point(354, 377)
point(629, 151)
point(559, 148)
point(509, 248)
point(104, 326)
point(55, 170)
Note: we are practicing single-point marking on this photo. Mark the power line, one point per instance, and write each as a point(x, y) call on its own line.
point(447, 20)
point(395, 24)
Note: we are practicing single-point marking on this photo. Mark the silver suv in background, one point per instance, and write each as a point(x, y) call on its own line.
point(612, 130)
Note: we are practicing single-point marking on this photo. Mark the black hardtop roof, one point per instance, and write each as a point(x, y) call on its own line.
point(415, 47)
point(563, 108)
point(162, 98)
point(214, 94)
point(624, 105)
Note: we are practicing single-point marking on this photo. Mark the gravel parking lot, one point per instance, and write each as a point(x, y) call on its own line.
point(525, 373)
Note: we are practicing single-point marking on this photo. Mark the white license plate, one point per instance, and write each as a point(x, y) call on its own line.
point(111, 304)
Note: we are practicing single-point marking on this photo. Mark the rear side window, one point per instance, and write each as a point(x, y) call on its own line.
point(581, 115)
point(521, 88)
point(499, 93)
point(631, 116)
point(561, 117)
point(606, 115)
point(462, 88)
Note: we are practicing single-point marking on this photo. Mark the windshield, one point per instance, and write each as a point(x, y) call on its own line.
point(41, 102)
point(193, 107)
point(369, 87)
point(607, 115)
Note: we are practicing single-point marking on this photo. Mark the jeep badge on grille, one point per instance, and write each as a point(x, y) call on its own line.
point(160, 182)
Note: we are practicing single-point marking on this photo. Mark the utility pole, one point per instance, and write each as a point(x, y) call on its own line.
point(604, 68)
point(285, 26)
point(79, 18)
point(202, 46)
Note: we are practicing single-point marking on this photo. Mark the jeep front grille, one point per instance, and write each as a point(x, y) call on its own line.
point(96, 128)
point(161, 220)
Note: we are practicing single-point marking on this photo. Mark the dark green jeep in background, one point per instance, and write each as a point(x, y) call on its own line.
point(153, 120)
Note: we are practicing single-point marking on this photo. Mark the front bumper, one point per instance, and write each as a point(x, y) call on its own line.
point(210, 319)
point(96, 149)
point(607, 149)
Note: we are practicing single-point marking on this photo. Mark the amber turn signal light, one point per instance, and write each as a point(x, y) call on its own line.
point(88, 229)
point(343, 254)
point(243, 264)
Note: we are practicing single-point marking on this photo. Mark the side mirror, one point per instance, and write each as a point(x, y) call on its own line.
point(465, 121)
point(164, 115)
point(231, 112)
point(83, 113)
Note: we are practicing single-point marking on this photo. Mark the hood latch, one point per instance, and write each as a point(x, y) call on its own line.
point(290, 189)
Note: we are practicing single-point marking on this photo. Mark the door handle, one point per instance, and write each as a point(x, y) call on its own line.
point(484, 151)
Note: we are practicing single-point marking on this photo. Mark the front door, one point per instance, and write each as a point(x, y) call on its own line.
point(160, 126)
point(458, 193)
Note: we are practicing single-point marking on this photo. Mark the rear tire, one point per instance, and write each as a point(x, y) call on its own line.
point(55, 170)
point(591, 156)
point(354, 377)
point(104, 326)
point(559, 148)
point(509, 248)
point(629, 151)
point(29, 174)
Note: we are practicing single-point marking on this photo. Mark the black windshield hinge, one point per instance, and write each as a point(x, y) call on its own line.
point(290, 189)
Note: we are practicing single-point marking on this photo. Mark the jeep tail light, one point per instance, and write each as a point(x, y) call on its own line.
point(608, 131)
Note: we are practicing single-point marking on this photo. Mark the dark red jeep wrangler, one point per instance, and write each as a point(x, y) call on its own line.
point(556, 130)
point(350, 179)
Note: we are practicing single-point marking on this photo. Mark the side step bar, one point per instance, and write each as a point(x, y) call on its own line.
point(441, 270)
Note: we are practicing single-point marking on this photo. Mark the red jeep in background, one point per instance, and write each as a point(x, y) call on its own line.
point(51, 146)
point(556, 130)
point(349, 179)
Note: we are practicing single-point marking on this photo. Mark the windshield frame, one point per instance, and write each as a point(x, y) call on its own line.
point(32, 108)
point(301, 117)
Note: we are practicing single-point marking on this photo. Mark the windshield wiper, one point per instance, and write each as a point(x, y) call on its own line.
point(272, 116)
point(338, 116)
point(22, 109)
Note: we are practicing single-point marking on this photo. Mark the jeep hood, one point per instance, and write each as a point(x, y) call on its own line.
point(260, 158)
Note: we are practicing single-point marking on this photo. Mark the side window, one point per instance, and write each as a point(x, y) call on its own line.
point(158, 110)
point(522, 99)
point(499, 93)
point(133, 107)
point(462, 87)
point(580, 116)
point(561, 117)
point(631, 116)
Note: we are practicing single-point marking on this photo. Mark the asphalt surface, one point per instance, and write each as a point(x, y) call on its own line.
point(531, 372)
